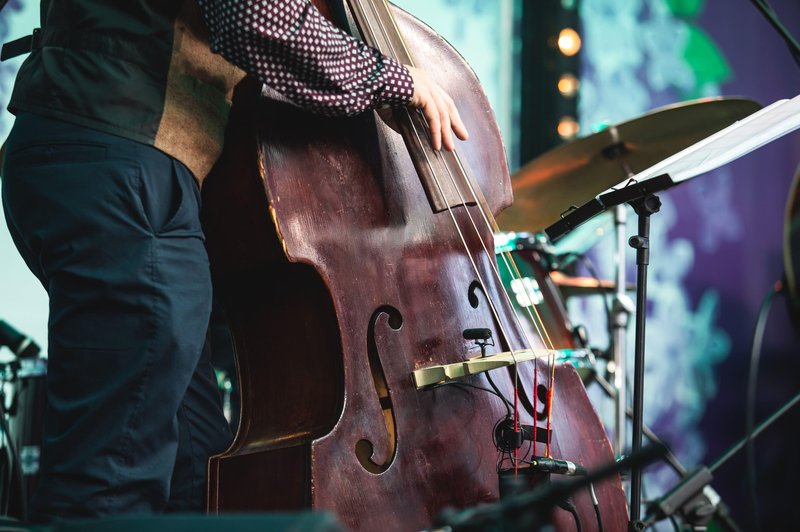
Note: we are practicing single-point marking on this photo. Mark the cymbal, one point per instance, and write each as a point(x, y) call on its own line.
point(577, 171)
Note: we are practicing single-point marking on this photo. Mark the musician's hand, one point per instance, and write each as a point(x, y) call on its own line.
point(439, 110)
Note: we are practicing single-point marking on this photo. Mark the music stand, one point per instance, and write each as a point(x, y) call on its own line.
point(724, 146)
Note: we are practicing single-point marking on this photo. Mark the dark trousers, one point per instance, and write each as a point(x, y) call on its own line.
point(111, 229)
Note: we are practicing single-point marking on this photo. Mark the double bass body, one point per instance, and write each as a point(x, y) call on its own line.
point(338, 281)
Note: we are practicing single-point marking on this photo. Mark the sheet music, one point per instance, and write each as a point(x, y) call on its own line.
point(726, 145)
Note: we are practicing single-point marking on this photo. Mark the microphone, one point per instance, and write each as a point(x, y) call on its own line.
point(507, 439)
point(19, 344)
point(557, 467)
point(477, 334)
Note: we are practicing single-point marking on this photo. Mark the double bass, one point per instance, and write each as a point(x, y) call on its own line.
point(348, 255)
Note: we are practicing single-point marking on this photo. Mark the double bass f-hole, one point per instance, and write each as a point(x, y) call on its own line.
point(536, 410)
point(365, 449)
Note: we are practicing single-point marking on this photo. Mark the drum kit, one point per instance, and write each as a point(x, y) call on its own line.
point(550, 188)
point(22, 403)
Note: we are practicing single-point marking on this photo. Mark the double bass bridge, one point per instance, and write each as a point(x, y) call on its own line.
point(443, 373)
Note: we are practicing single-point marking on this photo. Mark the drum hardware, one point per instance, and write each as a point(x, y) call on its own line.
point(20, 345)
point(12, 501)
point(22, 404)
point(580, 334)
point(534, 256)
point(548, 189)
point(693, 498)
point(572, 286)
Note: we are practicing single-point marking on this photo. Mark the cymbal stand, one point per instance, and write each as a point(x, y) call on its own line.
point(622, 306)
point(620, 315)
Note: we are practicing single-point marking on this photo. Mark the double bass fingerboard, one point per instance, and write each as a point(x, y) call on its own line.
point(441, 173)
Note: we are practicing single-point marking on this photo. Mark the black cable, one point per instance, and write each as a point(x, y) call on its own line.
point(750, 404)
point(772, 18)
point(791, 403)
point(596, 505)
point(496, 391)
point(569, 506)
point(506, 402)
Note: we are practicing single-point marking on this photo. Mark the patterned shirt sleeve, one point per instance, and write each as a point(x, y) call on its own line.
point(289, 46)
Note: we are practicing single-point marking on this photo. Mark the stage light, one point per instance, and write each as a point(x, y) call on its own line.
point(551, 79)
point(568, 85)
point(568, 127)
point(569, 42)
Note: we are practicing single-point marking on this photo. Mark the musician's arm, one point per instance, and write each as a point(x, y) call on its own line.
point(289, 46)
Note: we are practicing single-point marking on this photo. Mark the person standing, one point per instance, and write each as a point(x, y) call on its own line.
point(120, 113)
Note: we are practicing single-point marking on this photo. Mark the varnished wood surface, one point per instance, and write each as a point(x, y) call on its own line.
point(325, 251)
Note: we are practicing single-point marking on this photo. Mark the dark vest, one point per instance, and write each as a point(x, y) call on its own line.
point(141, 69)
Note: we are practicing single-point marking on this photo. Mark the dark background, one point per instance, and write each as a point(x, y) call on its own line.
point(743, 271)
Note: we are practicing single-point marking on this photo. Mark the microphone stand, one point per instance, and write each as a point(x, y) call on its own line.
point(644, 208)
point(694, 499)
point(645, 203)
point(641, 196)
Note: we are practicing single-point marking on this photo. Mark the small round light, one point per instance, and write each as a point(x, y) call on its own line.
point(569, 42)
point(568, 127)
point(568, 85)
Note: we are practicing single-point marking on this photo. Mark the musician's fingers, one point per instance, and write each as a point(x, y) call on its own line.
point(444, 120)
point(431, 113)
point(439, 110)
point(455, 119)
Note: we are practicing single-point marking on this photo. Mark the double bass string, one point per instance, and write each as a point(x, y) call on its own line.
point(510, 264)
point(537, 321)
point(424, 145)
point(506, 257)
point(488, 218)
